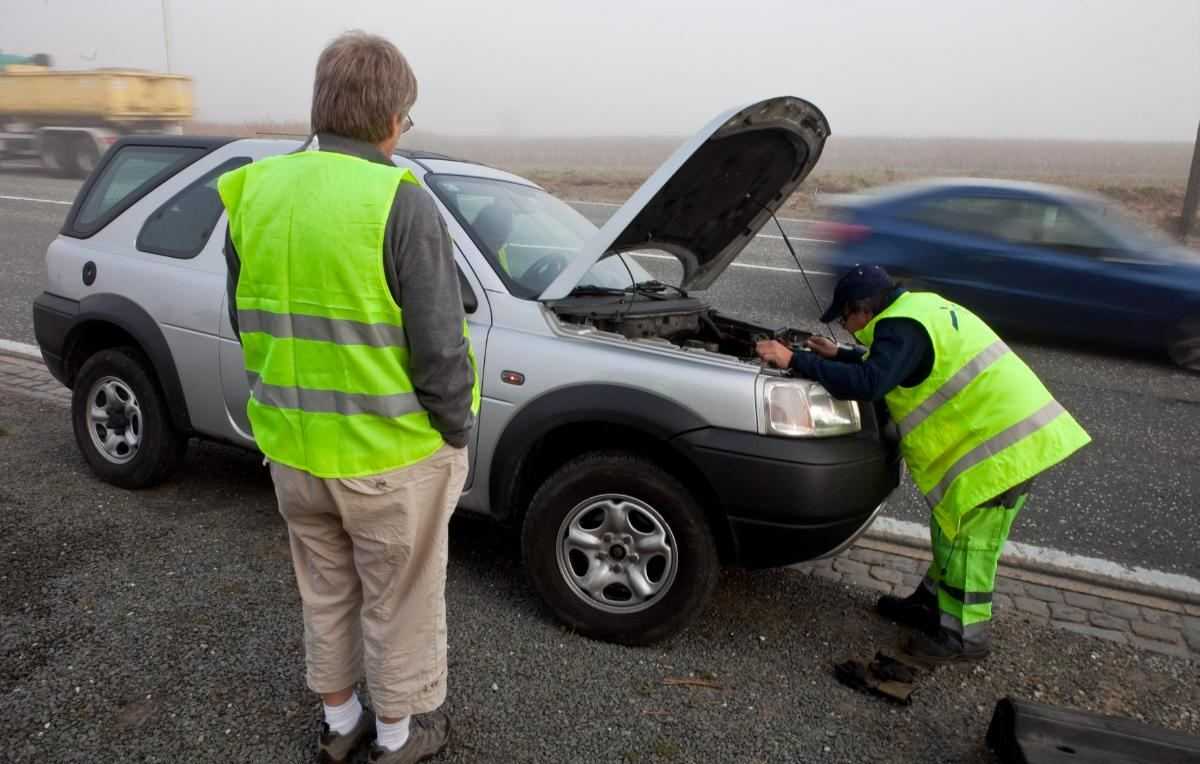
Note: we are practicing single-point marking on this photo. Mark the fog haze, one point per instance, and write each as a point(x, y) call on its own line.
point(1113, 70)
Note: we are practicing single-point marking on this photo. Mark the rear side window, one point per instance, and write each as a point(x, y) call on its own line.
point(968, 214)
point(1021, 221)
point(181, 227)
point(127, 177)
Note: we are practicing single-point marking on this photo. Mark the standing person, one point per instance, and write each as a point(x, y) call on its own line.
point(976, 426)
point(345, 295)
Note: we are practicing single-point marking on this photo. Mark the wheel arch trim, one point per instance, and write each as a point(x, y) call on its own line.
point(132, 319)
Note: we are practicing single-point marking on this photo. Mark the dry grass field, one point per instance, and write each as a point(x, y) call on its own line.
point(1148, 179)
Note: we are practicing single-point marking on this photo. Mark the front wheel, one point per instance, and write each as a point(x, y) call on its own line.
point(122, 425)
point(1184, 345)
point(619, 549)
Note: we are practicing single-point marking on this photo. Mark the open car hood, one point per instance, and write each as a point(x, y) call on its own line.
point(711, 197)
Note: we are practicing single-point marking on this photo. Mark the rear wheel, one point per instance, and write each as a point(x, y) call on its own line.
point(1184, 345)
point(619, 549)
point(50, 151)
point(87, 156)
point(121, 422)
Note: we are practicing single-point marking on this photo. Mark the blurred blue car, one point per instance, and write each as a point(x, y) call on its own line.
point(1028, 256)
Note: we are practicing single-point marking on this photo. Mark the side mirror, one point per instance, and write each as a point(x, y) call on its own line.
point(470, 301)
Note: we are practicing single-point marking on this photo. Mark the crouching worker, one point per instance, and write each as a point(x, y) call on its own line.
point(976, 427)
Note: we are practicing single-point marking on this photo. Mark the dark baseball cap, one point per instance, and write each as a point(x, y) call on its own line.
point(860, 282)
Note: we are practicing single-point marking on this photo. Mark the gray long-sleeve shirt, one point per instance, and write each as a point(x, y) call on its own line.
point(418, 258)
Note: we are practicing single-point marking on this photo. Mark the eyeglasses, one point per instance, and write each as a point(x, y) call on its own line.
point(406, 124)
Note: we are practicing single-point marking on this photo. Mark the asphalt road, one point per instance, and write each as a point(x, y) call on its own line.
point(1131, 497)
point(164, 626)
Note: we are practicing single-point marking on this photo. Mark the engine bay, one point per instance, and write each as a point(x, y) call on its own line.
point(686, 322)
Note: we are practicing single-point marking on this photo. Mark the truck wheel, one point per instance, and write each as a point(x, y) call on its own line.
point(619, 549)
point(51, 154)
point(68, 160)
point(87, 156)
point(121, 422)
point(1184, 345)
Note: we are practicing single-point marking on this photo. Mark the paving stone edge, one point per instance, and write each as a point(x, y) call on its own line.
point(1048, 574)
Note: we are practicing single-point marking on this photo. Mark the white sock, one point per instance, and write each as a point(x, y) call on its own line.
point(341, 719)
point(391, 736)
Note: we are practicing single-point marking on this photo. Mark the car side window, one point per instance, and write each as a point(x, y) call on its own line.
point(979, 215)
point(1030, 222)
point(182, 226)
point(1063, 228)
point(127, 177)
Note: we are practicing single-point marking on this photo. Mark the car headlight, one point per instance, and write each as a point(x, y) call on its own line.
point(798, 408)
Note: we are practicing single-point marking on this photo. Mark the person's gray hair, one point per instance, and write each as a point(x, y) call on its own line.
point(362, 82)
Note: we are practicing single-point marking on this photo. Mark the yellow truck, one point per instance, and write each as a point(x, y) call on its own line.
point(68, 119)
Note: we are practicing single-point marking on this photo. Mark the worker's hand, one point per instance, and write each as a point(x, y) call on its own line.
point(774, 352)
point(822, 346)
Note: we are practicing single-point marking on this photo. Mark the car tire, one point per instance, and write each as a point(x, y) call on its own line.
point(51, 151)
point(121, 422)
point(1184, 345)
point(68, 165)
point(619, 549)
point(86, 155)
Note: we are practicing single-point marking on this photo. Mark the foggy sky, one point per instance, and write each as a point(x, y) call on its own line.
point(1107, 69)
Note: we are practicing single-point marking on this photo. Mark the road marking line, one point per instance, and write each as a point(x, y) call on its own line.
point(794, 238)
point(751, 266)
point(32, 199)
point(21, 348)
point(1015, 553)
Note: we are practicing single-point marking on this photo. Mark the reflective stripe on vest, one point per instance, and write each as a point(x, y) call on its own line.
point(322, 336)
point(331, 401)
point(981, 422)
point(953, 386)
point(321, 328)
point(994, 445)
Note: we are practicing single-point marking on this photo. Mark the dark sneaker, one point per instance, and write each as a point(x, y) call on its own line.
point(428, 735)
point(918, 610)
point(335, 749)
point(943, 646)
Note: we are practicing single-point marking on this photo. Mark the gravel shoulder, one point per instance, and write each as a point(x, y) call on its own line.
point(164, 626)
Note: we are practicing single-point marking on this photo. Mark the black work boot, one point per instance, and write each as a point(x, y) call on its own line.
point(942, 646)
point(918, 610)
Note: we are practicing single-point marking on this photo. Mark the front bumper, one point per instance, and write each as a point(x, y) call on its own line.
point(792, 500)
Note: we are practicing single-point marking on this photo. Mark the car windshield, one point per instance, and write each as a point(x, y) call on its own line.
point(528, 235)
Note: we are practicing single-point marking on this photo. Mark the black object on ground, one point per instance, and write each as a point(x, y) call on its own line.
point(1035, 733)
point(885, 676)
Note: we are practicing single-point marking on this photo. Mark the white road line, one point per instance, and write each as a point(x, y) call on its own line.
point(750, 266)
point(21, 348)
point(793, 238)
point(1016, 553)
point(31, 199)
point(614, 204)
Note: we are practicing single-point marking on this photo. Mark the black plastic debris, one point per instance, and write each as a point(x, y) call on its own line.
point(1035, 733)
point(885, 677)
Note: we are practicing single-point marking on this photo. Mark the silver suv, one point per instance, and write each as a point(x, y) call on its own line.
point(627, 429)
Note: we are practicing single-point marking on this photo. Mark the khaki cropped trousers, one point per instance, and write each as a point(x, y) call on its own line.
point(370, 561)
